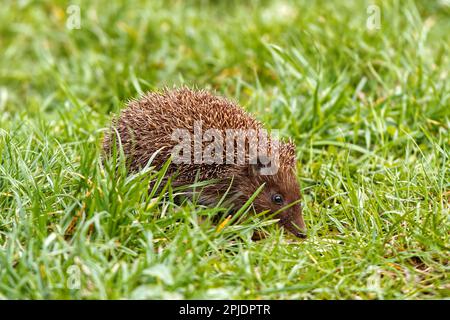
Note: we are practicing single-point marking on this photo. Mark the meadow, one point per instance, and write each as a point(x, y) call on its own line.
point(360, 86)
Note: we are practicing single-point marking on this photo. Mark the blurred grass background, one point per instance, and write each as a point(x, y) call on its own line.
point(368, 109)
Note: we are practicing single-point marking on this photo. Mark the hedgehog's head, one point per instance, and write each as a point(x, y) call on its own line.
point(281, 192)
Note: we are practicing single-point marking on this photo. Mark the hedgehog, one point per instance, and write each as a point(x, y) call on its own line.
point(183, 124)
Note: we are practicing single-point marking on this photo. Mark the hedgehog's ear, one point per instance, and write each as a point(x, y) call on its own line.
point(261, 163)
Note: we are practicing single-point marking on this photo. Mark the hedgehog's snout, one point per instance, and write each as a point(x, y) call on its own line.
point(301, 234)
point(293, 221)
point(297, 230)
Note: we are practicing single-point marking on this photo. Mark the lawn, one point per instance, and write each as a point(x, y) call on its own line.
point(360, 86)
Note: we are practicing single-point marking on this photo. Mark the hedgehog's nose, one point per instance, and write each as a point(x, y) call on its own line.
point(296, 231)
point(300, 234)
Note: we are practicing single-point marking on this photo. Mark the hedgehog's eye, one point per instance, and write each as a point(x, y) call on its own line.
point(277, 198)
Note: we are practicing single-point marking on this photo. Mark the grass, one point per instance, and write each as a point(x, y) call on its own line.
point(368, 109)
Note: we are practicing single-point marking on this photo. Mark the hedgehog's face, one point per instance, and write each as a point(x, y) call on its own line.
point(281, 195)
